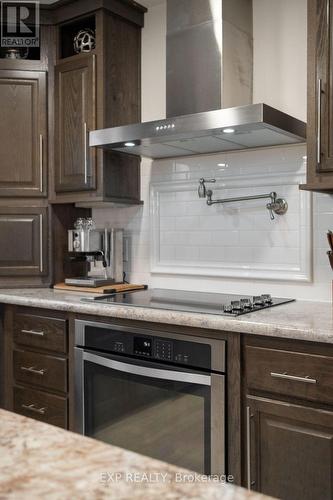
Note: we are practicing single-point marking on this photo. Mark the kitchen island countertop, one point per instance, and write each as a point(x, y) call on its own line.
point(41, 461)
point(301, 320)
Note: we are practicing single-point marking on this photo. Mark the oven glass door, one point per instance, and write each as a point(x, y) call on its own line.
point(148, 408)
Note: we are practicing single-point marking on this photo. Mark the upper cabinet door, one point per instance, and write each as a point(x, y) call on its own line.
point(322, 83)
point(75, 166)
point(23, 132)
point(320, 96)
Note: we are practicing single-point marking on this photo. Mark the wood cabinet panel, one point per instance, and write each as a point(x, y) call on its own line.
point(320, 97)
point(41, 332)
point(24, 241)
point(290, 450)
point(75, 117)
point(23, 132)
point(300, 375)
point(45, 407)
point(48, 372)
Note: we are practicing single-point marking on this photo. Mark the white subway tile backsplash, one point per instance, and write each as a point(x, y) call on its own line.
point(195, 244)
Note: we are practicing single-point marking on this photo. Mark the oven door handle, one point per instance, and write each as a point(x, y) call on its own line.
point(157, 373)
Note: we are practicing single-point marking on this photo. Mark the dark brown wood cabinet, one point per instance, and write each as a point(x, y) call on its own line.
point(290, 453)
point(23, 132)
point(36, 364)
point(49, 102)
point(320, 97)
point(75, 107)
point(24, 242)
point(288, 418)
point(93, 91)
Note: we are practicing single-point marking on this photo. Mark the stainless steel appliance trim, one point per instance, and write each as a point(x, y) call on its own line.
point(218, 347)
point(307, 379)
point(41, 257)
point(144, 371)
point(218, 424)
point(79, 391)
point(248, 447)
point(33, 332)
point(41, 163)
point(319, 121)
point(85, 153)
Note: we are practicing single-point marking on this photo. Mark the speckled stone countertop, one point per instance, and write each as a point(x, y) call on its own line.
point(40, 461)
point(303, 320)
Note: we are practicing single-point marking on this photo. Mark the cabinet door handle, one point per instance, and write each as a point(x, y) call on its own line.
point(41, 256)
point(284, 375)
point(85, 145)
point(248, 448)
point(34, 332)
point(41, 163)
point(32, 369)
point(34, 409)
point(319, 121)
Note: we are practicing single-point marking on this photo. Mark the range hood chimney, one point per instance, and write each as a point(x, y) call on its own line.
point(209, 55)
point(209, 89)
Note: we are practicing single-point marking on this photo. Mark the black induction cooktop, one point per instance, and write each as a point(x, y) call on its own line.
point(196, 302)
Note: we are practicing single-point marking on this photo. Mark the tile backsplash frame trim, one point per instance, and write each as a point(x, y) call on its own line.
point(301, 273)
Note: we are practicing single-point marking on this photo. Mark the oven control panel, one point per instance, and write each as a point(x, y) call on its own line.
point(176, 351)
point(182, 352)
point(163, 349)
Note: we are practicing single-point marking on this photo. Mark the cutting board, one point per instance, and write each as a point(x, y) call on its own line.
point(122, 287)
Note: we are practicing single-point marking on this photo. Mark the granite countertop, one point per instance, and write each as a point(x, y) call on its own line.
point(302, 320)
point(41, 461)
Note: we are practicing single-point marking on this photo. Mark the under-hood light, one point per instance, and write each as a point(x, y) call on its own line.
point(228, 130)
point(129, 144)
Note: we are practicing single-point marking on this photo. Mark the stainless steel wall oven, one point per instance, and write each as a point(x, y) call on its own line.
point(157, 393)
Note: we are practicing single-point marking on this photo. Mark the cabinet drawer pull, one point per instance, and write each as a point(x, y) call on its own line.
point(32, 369)
point(284, 375)
point(34, 409)
point(34, 332)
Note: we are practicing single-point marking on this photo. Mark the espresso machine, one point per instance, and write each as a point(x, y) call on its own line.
point(102, 249)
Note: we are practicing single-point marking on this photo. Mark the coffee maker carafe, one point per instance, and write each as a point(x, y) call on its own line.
point(102, 249)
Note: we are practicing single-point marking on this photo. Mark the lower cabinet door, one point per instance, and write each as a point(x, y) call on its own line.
point(23, 237)
point(41, 406)
point(289, 450)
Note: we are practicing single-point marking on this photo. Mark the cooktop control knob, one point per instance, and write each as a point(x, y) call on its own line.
point(236, 305)
point(258, 300)
point(267, 298)
point(246, 303)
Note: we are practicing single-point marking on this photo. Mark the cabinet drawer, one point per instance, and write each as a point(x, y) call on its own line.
point(301, 375)
point(45, 371)
point(41, 332)
point(41, 406)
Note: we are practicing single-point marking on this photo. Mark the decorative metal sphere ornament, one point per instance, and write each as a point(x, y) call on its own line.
point(84, 41)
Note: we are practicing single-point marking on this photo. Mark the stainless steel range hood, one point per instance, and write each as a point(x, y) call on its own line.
point(209, 71)
point(251, 126)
